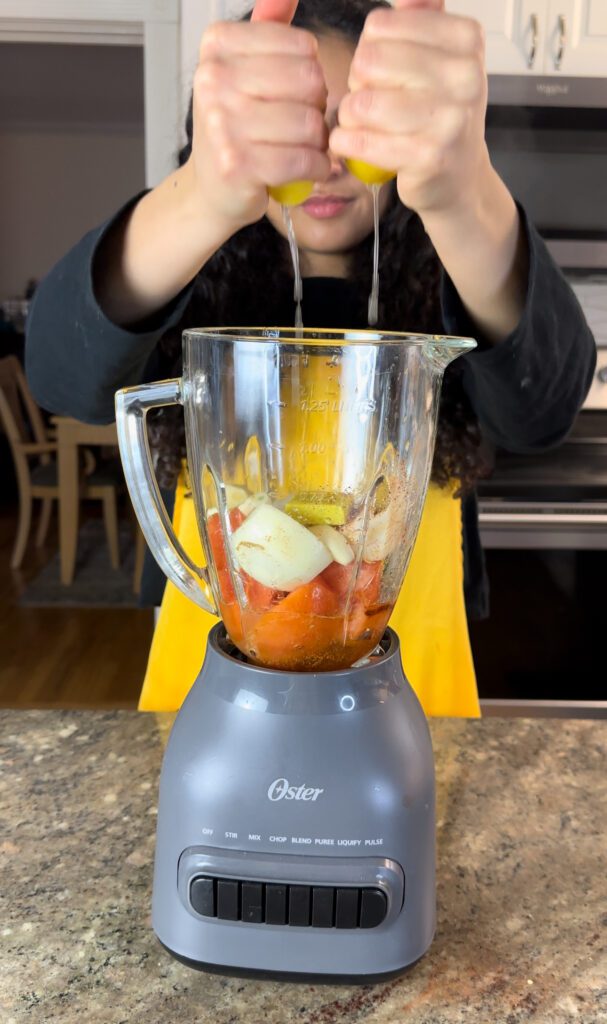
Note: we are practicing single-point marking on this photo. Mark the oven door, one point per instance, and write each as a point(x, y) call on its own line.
point(543, 522)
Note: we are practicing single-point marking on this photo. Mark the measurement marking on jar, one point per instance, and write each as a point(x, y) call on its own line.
point(316, 448)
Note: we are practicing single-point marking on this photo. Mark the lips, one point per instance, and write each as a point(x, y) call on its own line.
point(323, 207)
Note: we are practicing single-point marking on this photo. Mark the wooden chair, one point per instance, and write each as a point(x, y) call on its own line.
point(24, 426)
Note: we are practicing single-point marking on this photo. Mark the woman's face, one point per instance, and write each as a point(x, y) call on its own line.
point(339, 213)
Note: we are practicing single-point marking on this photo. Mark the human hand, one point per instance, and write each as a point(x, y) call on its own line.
point(417, 104)
point(258, 113)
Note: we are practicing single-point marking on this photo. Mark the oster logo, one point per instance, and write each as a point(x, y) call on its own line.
point(280, 789)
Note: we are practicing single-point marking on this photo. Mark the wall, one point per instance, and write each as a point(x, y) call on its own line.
point(195, 16)
point(71, 148)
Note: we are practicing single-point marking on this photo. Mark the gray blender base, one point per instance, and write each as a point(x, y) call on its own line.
point(296, 825)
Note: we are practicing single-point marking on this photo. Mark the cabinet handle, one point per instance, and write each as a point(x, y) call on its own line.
point(562, 27)
point(534, 33)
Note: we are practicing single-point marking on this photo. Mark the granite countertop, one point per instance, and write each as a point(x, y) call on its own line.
point(522, 884)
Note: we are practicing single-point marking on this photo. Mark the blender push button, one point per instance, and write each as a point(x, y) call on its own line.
point(346, 908)
point(227, 900)
point(276, 904)
point(299, 905)
point(373, 908)
point(322, 907)
point(252, 902)
point(202, 896)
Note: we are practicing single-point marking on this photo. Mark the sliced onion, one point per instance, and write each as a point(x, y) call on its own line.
point(252, 501)
point(384, 533)
point(235, 495)
point(277, 551)
point(335, 542)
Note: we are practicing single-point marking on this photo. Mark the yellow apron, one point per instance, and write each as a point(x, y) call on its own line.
point(429, 618)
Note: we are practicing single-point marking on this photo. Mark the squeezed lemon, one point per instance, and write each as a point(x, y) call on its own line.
point(369, 174)
point(293, 194)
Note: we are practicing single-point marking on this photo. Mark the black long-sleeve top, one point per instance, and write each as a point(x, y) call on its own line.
point(526, 391)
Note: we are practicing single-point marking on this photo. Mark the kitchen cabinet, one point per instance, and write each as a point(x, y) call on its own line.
point(576, 38)
point(541, 37)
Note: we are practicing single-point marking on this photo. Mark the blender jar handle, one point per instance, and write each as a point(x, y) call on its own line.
point(132, 406)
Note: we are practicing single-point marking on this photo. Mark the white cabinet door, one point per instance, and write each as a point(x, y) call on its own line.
point(515, 31)
point(576, 38)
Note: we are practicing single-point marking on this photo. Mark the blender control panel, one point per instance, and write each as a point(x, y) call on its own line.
point(316, 906)
point(290, 890)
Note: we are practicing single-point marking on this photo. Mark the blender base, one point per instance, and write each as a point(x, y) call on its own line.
point(262, 974)
point(296, 823)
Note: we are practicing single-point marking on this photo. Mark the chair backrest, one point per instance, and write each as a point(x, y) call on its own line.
point(20, 416)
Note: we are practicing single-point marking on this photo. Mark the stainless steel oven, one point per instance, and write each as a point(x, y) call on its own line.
point(548, 140)
point(544, 518)
point(543, 523)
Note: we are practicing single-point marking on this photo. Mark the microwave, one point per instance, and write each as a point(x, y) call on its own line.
point(548, 141)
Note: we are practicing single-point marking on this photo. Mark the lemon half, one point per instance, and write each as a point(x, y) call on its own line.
point(368, 174)
point(293, 194)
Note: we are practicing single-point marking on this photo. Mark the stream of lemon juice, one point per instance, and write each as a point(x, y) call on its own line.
point(374, 183)
point(298, 287)
point(373, 309)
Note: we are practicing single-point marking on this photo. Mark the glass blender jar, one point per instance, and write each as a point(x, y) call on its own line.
point(309, 454)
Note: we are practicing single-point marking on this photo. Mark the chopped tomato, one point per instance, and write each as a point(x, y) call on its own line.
point(216, 538)
point(305, 621)
point(314, 598)
point(230, 613)
point(226, 587)
point(260, 598)
point(357, 620)
point(367, 585)
point(361, 621)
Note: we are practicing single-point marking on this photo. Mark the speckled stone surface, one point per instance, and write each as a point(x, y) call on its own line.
point(522, 897)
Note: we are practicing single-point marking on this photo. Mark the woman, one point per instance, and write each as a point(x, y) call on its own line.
point(274, 102)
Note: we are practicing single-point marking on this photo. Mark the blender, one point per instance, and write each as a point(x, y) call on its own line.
point(296, 822)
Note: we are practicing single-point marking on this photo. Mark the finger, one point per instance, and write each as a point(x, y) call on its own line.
point(417, 151)
point(389, 65)
point(224, 150)
point(279, 165)
point(274, 10)
point(448, 32)
point(293, 124)
point(285, 78)
point(267, 37)
point(386, 110)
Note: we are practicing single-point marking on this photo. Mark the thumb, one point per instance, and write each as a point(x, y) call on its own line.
point(274, 10)
point(428, 5)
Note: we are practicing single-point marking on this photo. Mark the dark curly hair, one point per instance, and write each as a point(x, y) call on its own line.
point(233, 287)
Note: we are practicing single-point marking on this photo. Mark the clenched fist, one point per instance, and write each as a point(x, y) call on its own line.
point(417, 103)
point(258, 112)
